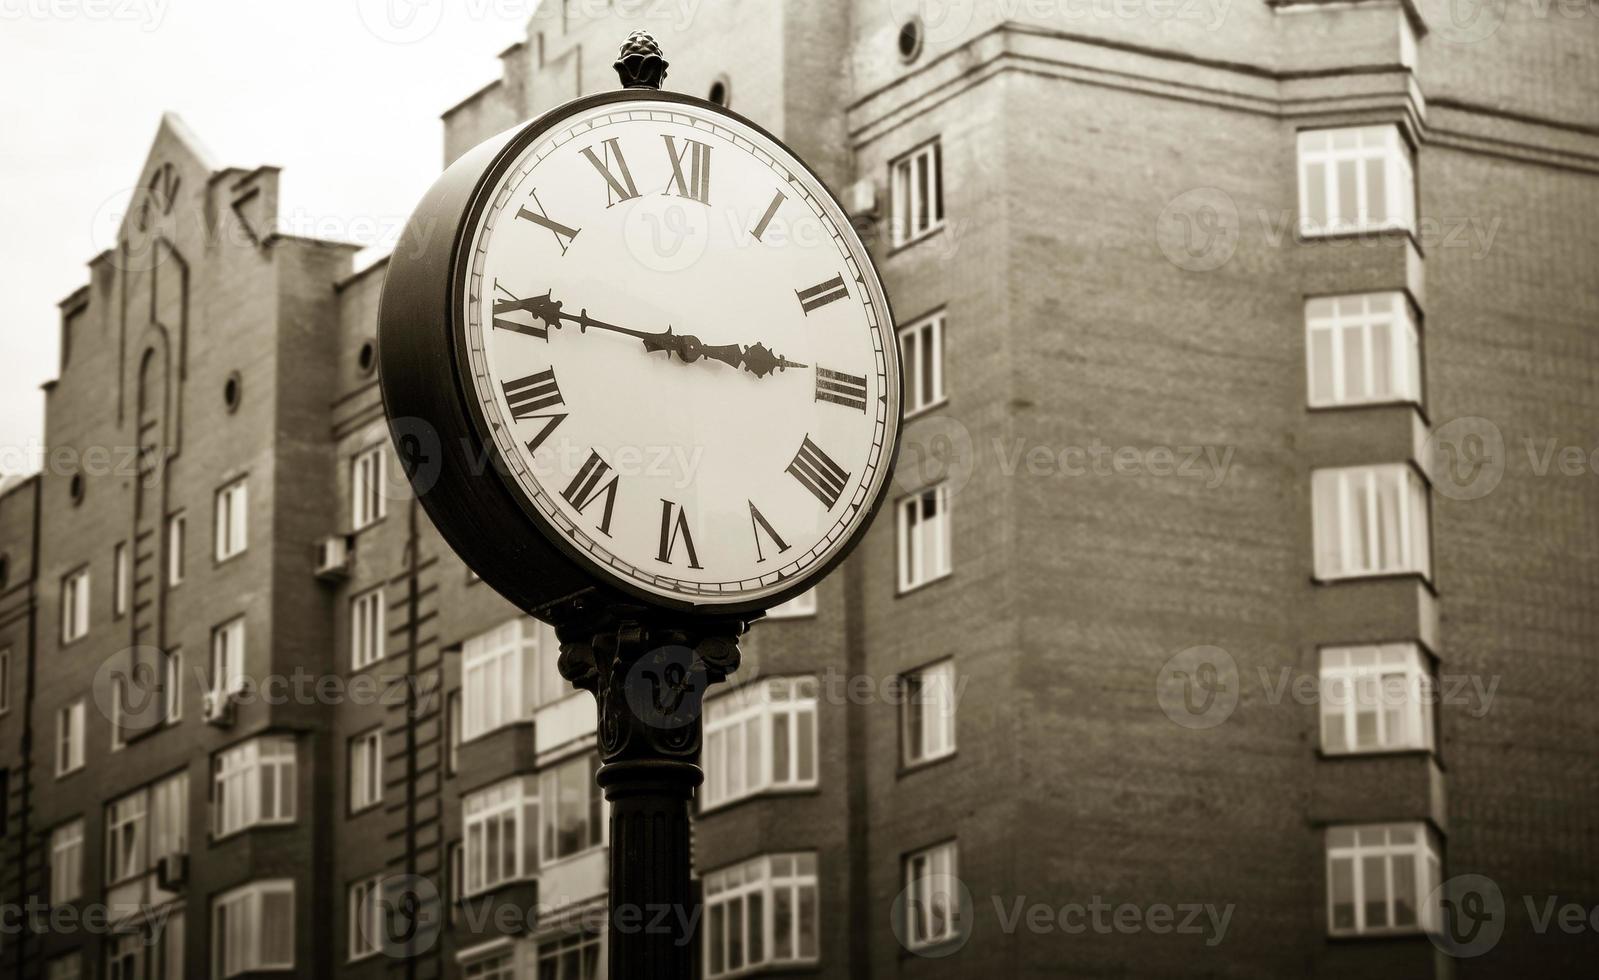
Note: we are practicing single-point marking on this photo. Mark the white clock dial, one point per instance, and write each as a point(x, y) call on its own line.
point(680, 351)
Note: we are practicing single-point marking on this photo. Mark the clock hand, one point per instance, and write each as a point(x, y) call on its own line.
point(757, 358)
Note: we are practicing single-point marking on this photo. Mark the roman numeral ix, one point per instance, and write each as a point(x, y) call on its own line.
point(698, 183)
point(841, 389)
point(617, 189)
point(822, 294)
point(511, 304)
point(589, 484)
point(528, 398)
point(563, 233)
point(817, 472)
point(674, 526)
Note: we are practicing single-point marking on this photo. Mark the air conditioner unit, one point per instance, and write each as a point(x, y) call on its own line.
point(863, 198)
point(172, 872)
point(217, 708)
point(333, 557)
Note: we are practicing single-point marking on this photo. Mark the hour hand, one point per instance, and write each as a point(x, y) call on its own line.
point(690, 349)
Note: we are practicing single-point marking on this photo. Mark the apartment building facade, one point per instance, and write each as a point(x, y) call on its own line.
point(1210, 321)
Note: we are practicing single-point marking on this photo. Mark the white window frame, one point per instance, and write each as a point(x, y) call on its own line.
point(742, 746)
point(588, 948)
point(368, 504)
point(1371, 520)
point(924, 375)
point(927, 714)
point(506, 810)
point(798, 607)
point(127, 836)
point(366, 770)
point(227, 657)
point(67, 966)
point(557, 785)
point(230, 527)
point(503, 677)
point(915, 177)
point(177, 531)
point(120, 574)
point(1379, 328)
point(172, 691)
point(791, 877)
point(75, 605)
point(1356, 152)
point(924, 543)
point(364, 902)
point(238, 775)
point(237, 944)
point(1361, 850)
point(1390, 687)
point(366, 629)
point(66, 862)
point(931, 917)
point(499, 965)
point(452, 711)
point(169, 817)
point(119, 697)
point(70, 744)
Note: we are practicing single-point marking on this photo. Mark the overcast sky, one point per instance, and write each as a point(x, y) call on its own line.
point(345, 95)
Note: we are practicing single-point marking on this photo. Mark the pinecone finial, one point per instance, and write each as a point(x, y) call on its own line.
point(640, 63)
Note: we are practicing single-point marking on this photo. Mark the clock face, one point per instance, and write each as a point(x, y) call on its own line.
point(680, 351)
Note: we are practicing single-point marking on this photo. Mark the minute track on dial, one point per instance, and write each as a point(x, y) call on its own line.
point(757, 358)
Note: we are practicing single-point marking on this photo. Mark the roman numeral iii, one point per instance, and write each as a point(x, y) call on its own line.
point(841, 389)
point(698, 183)
point(674, 528)
point(822, 294)
point(589, 484)
point(618, 189)
point(817, 472)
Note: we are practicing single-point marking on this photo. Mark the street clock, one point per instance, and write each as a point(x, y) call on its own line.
point(634, 351)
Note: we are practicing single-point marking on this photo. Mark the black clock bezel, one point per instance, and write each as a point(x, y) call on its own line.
point(473, 511)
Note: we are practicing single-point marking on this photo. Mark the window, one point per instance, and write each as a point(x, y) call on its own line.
point(227, 657)
point(366, 770)
point(5, 681)
point(254, 783)
point(172, 691)
point(921, 356)
point(456, 857)
point(506, 673)
point(500, 966)
point(68, 967)
point(570, 958)
point(930, 896)
point(1370, 520)
point(760, 738)
point(924, 537)
point(1362, 350)
point(252, 928)
point(365, 917)
point(367, 502)
point(366, 629)
point(452, 708)
point(175, 535)
point(154, 951)
point(500, 836)
point(1378, 879)
point(928, 713)
point(126, 827)
point(169, 817)
point(1375, 698)
point(75, 606)
point(761, 912)
point(917, 190)
point(573, 817)
point(69, 738)
point(119, 579)
point(803, 604)
point(229, 529)
point(1357, 179)
point(119, 697)
point(66, 863)
point(124, 956)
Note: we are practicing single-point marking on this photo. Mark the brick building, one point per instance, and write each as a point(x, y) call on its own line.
point(1235, 337)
